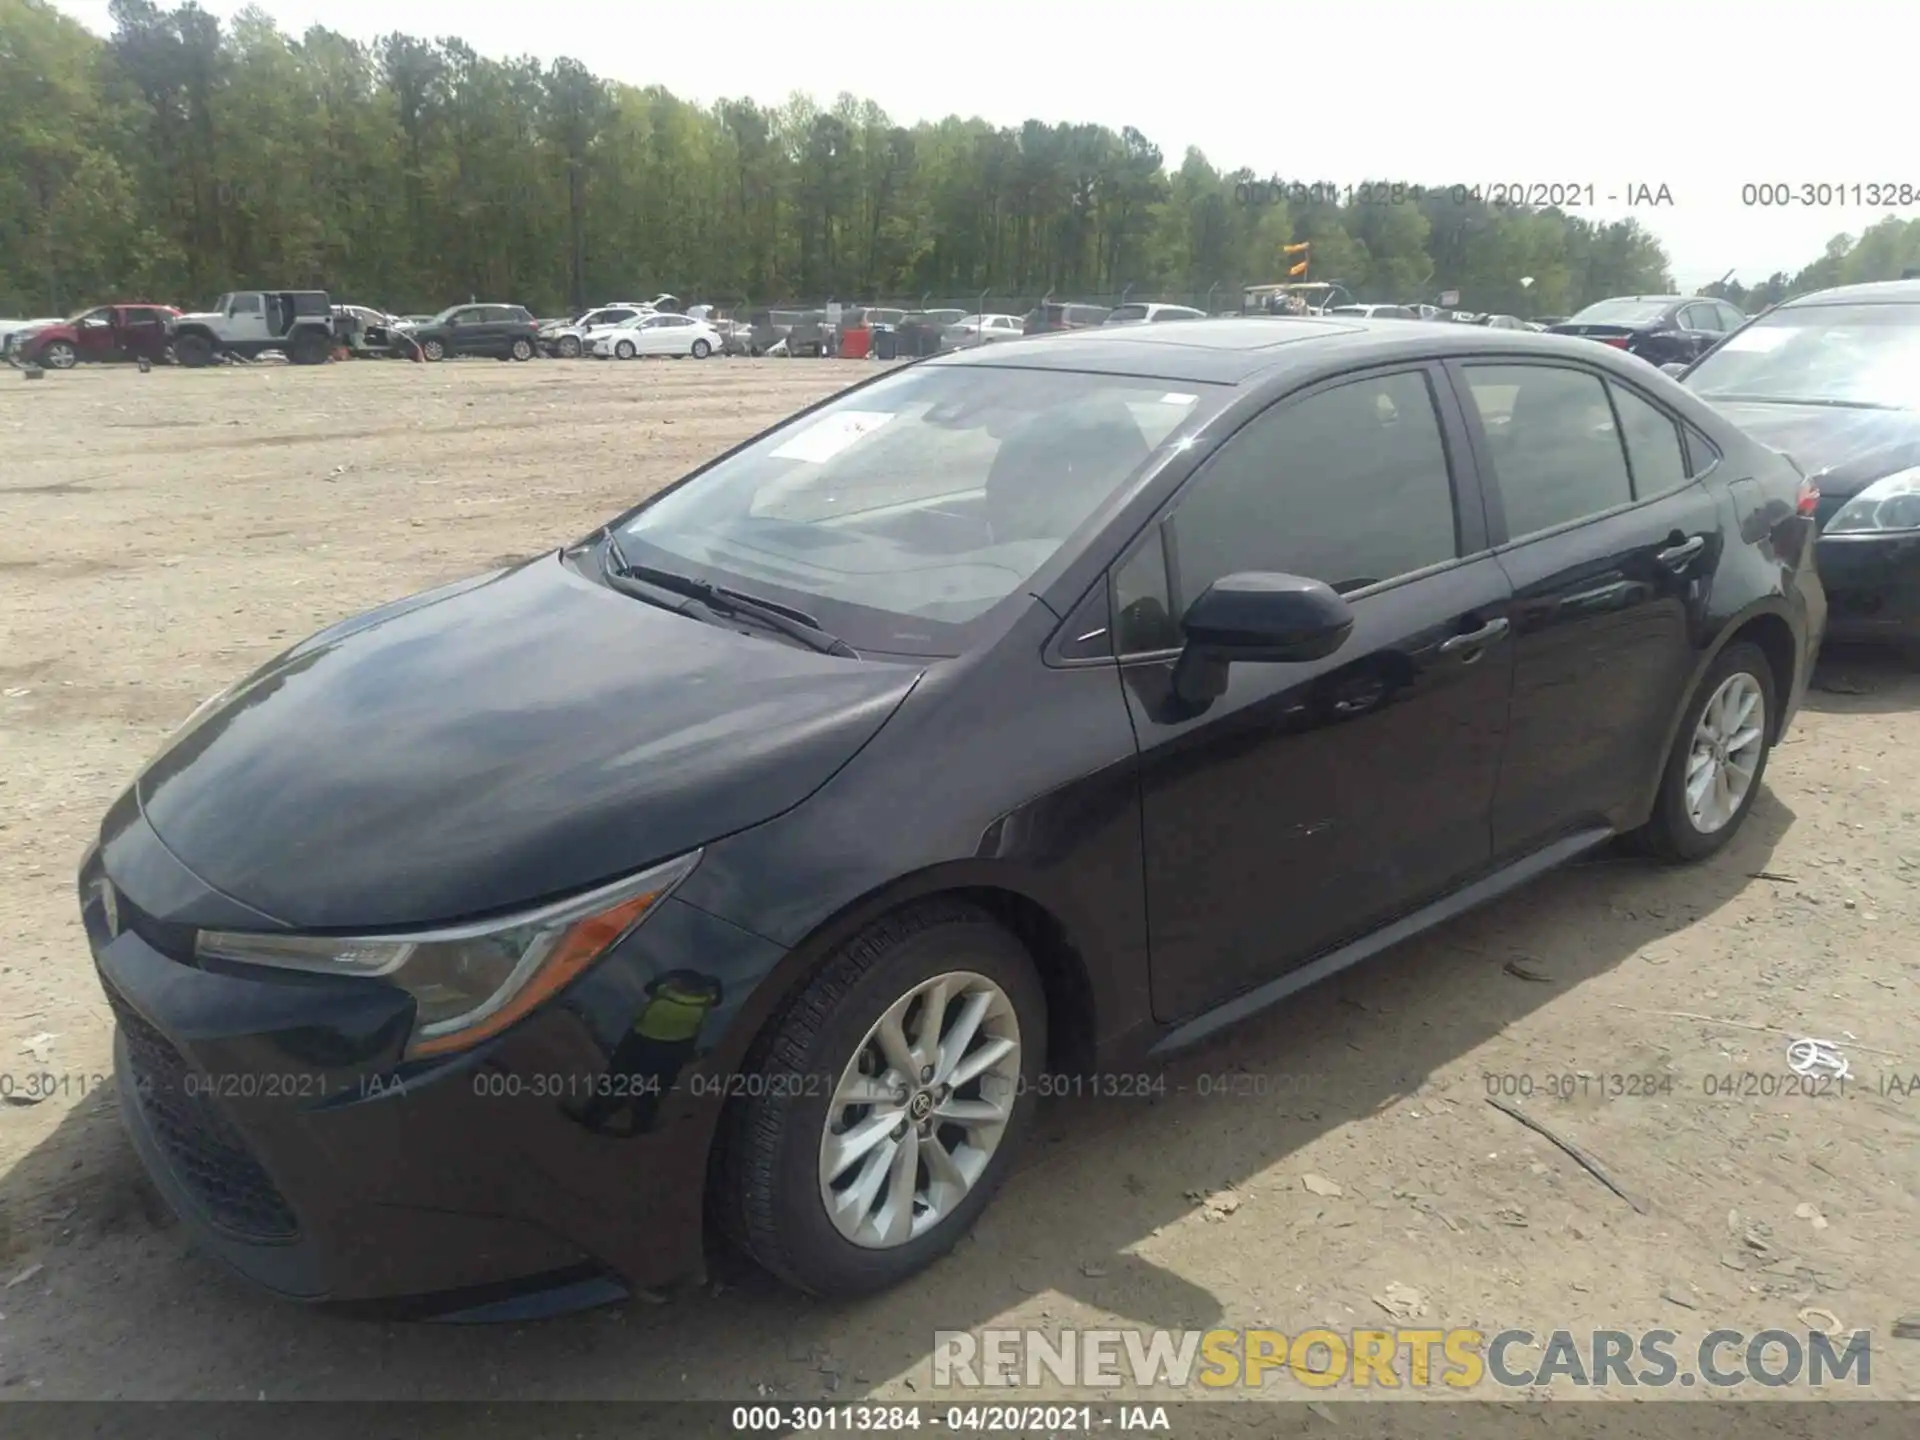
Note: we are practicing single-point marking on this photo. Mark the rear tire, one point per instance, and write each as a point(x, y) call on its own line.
point(1692, 817)
point(522, 349)
point(701, 349)
point(433, 350)
point(193, 351)
point(771, 1190)
point(569, 347)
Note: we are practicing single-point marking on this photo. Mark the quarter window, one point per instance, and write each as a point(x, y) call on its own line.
point(1653, 444)
point(1551, 436)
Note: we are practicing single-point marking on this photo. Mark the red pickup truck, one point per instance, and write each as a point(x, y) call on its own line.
point(106, 332)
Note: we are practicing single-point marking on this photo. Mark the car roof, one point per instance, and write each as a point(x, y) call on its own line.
point(1234, 350)
point(1877, 292)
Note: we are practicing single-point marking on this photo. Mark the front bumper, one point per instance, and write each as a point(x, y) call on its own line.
point(1873, 586)
point(275, 1114)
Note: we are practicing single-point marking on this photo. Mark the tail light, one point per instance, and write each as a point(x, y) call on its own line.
point(1618, 342)
point(1809, 498)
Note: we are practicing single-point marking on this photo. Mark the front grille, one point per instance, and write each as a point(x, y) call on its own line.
point(208, 1154)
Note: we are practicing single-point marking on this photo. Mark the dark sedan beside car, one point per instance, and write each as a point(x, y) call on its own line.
point(1660, 329)
point(741, 868)
point(1833, 379)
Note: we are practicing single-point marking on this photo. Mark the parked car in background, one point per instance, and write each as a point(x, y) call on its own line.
point(971, 727)
point(414, 322)
point(1376, 312)
point(736, 336)
point(14, 332)
point(100, 335)
point(921, 331)
point(504, 332)
point(657, 334)
point(370, 333)
point(244, 325)
point(567, 338)
point(1832, 380)
point(1657, 328)
point(1052, 316)
point(981, 330)
point(1502, 322)
point(1547, 322)
point(1152, 312)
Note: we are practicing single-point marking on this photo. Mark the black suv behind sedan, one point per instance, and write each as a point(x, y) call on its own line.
point(1036, 710)
point(504, 332)
point(1660, 329)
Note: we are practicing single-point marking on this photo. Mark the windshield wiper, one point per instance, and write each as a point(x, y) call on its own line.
point(794, 624)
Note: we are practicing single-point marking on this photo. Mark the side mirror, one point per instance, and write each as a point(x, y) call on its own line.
point(1256, 618)
point(1674, 367)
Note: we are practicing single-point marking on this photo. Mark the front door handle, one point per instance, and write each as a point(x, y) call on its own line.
point(1475, 640)
point(1676, 557)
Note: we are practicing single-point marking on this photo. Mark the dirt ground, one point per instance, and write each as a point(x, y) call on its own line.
point(161, 534)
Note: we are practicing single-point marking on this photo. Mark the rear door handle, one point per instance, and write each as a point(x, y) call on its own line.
point(1675, 557)
point(1475, 640)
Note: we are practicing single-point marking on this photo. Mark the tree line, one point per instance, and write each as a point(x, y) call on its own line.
point(179, 157)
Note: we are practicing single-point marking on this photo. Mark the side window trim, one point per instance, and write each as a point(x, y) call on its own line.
point(1473, 533)
point(1703, 456)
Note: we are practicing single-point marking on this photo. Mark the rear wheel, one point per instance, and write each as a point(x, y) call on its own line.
point(701, 349)
point(193, 351)
point(522, 349)
point(433, 349)
point(1718, 760)
point(60, 356)
point(897, 1089)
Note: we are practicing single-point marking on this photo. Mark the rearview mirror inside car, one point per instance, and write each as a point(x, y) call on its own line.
point(1260, 618)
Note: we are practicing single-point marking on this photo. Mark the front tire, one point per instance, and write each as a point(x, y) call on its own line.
point(569, 347)
point(624, 350)
point(1718, 761)
point(193, 351)
point(892, 1098)
point(60, 356)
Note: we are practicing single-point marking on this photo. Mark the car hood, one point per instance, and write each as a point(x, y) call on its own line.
point(499, 741)
point(205, 317)
point(1843, 449)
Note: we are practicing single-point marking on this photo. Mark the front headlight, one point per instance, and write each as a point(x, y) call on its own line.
point(471, 981)
point(1890, 503)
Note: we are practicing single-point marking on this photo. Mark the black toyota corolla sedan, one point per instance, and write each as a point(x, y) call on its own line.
point(740, 869)
point(1833, 379)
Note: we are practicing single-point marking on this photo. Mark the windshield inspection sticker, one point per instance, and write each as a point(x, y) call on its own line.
point(1757, 338)
point(1174, 397)
point(820, 442)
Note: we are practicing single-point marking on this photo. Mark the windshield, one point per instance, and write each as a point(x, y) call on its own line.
point(1820, 354)
point(903, 513)
point(1621, 312)
point(443, 316)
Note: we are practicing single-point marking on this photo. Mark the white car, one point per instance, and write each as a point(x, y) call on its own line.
point(655, 335)
point(981, 330)
point(1376, 312)
point(1151, 313)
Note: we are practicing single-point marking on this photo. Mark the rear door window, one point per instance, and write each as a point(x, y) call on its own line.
point(1555, 448)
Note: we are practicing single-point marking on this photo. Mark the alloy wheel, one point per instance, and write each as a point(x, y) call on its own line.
point(920, 1110)
point(1726, 752)
point(61, 356)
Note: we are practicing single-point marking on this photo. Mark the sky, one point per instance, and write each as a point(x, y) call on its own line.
point(1701, 98)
